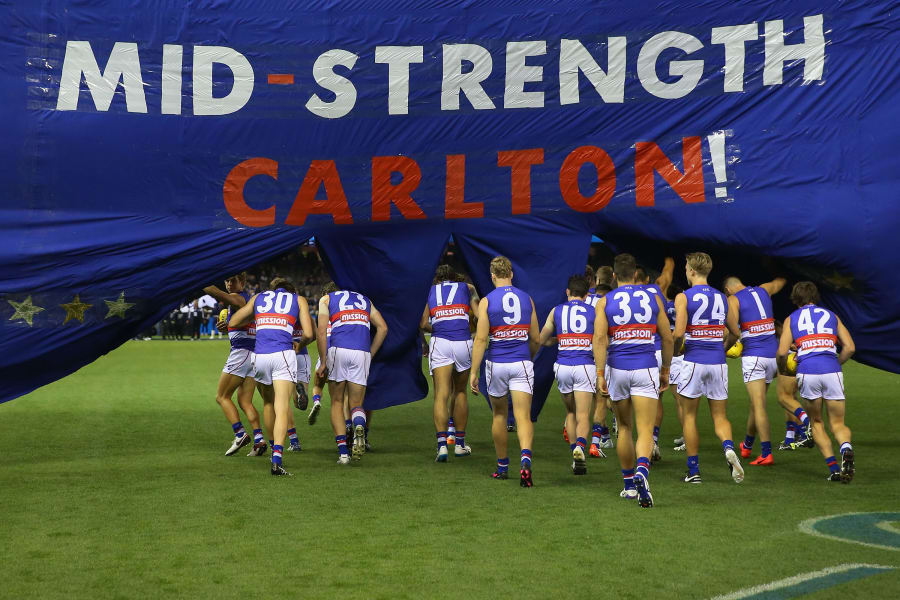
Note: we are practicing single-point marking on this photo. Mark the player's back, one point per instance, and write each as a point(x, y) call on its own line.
point(657, 292)
point(242, 338)
point(631, 313)
point(757, 323)
point(448, 306)
point(705, 335)
point(349, 314)
point(297, 336)
point(814, 330)
point(509, 318)
point(574, 322)
point(276, 313)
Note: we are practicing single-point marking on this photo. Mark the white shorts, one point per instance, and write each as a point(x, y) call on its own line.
point(277, 366)
point(625, 383)
point(578, 378)
point(503, 377)
point(344, 364)
point(675, 369)
point(758, 367)
point(240, 363)
point(695, 380)
point(829, 386)
point(443, 352)
point(303, 372)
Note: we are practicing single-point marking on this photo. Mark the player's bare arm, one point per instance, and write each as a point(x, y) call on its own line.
point(665, 336)
point(321, 333)
point(534, 332)
point(473, 301)
point(774, 286)
point(547, 337)
point(243, 315)
point(235, 300)
point(381, 330)
point(425, 321)
point(784, 346)
point(601, 344)
point(482, 330)
point(847, 345)
point(305, 322)
point(680, 316)
point(665, 277)
point(732, 319)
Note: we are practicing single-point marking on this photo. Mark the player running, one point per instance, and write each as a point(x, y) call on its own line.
point(348, 357)
point(677, 357)
point(451, 302)
point(508, 329)
point(817, 332)
point(319, 382)
point(571, 327)
point(238, 371)
point(701, 316)
point(750, 309)
point(275, 313)
point(600, 438)
point(627, 319)
point(661, 283)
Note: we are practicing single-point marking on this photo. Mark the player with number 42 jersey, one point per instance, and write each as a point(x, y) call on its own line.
point(817, 332)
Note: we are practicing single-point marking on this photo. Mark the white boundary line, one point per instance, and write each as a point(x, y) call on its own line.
point(888, 526)
point(808, 526)
point(801, 578)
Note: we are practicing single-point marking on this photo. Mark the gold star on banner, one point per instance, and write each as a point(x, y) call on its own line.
point(840, 281)
point(75, 309)
point(118, 307)
point(24, 310)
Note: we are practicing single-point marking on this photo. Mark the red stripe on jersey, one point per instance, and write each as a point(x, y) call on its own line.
point(760, 325)
point(816, 340)
point(265, 318)
point(451, 308)
point(357, 315)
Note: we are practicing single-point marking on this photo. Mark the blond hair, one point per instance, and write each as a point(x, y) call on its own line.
point(501, 268)
point(700, 262)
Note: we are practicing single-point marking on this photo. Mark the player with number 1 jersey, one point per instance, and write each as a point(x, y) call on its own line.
point(627, 320)
point(508, 330)
point(700, 316)
point(348, 357)
point(570, 326)
point(817, 332)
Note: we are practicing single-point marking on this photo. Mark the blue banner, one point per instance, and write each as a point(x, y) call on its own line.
point(152, 147)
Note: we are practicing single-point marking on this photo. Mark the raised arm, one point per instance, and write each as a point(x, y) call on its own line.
point(235, 300)
point(243, 315)
point(482, 330)
point(665, 277)
point(381, 330)
point(774, 286)
point(547, 338)
point(847, 345)
point(534, 332)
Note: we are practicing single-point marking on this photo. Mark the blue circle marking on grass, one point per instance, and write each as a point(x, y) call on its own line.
point(876, 530)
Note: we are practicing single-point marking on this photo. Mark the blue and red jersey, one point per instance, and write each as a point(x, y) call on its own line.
point(669, 305)
point(656, 291)
point(449, 306)
point(814, 330)
point(276, 313)
point(349, 314)
point(631, 312)
point(297, 336)
point(757, 322)
point(704, 340)
point(574, 322)
point(242, 338)
point(509, 317)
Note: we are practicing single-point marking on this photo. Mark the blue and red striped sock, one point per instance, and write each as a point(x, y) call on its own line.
point(790, 429)
point(526, 458)
point(238, 429)
point(292, 435)
point(258, 436)
point(832, 464)
point(461, 438)
point(442, 439)
point(748, 441)
point(801, 414)
point(317, 398)
point(358, 415)
point(628, 478)
point(643, 467)
point(276, 454)
point(597, 433)
point(503, 465)
point(656, 435)
point(727, 444)
point(581, 443)
point(341, 441)
point(766, 449)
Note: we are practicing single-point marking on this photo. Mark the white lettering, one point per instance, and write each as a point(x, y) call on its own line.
point(689, 72)
point(518, 74)
point(398, 59)
point(811, 51)
point(171, 80)
point(343, 89)
point(734, 38)
point(123, 65)
point(242, 75)
point(455, 81)
point(574, 58)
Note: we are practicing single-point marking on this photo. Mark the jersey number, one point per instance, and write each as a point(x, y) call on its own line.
point(643, 303)
point(283, 302)
point(718, 309)
point(574, 319)
point(804, 322)
point(511, 306)
point(344, 295)
point(759, 305)
point(439, 293)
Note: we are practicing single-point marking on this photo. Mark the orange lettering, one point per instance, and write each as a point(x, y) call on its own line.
point(321, 173)
point(520, 162)
point(455, 206)
point(606, 179)
point(384, 193)
point(233, 192)
point(649, 159)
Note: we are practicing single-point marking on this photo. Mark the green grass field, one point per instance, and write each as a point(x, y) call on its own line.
point(113, 484)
